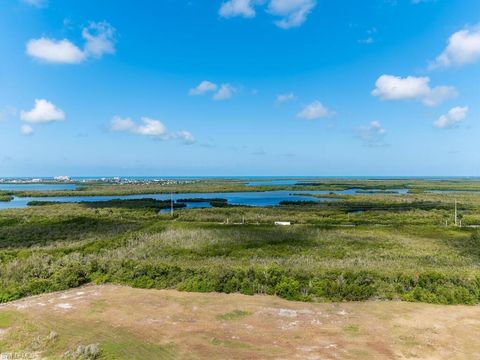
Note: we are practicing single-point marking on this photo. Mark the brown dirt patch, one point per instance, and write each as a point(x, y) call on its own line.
point(171, 324)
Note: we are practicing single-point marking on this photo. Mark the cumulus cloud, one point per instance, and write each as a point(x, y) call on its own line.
point(372, 134)
point(43, 112)
point(233, 8)
point(283, 98)
point(314, 110)
point(185, 136)
point(151, 128)
point(451, 119)
point(389, 87)
point(99, 40)
point(439, 94)
point(26, 130)
point(225, 92)
point(147, 126)
point(202, 88)
point(122, 124)
point(55, 51)
point(463, 47)
point(220, 92)
point(291, 13)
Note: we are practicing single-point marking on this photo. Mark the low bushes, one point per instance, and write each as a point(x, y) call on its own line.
point(432, 287)
point(429, 287)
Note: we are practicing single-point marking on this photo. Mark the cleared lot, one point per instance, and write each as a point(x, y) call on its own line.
point(125, 323)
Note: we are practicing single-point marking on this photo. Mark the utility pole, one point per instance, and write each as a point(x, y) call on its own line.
point(456, 223)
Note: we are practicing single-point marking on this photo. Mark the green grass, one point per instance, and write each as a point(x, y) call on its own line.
point(234, 315)
point(29, 335)
point(230, 344)
point(352, 329)
point(131, 349)
point(397, 247)
point(7, 318)
point(98, 306)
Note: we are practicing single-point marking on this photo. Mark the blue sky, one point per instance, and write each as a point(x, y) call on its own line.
point(239, 87)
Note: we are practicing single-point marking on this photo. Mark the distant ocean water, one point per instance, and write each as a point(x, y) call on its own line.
point(249, 177)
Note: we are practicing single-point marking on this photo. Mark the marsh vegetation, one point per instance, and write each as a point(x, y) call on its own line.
point(379, 246)
point(372, 186)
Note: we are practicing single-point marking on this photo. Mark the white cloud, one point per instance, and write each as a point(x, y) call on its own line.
point(314, 110)
point(26, 130)
point(36, 3)
point(222, 92)
point(463, 48)
point(55, 51)
point(99, 40)
point(372, 134)
point(202, 88)
point(122, 124)
point(149, 127)
point(389, 87)
point(225, 92)
point(439, 94)
point(185, 136)
point(452, 118)
point(283, 98)
point(232, 8)
point(43, 112)
point(293, 12)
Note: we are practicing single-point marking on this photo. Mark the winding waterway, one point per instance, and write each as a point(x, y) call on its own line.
point(249, 198)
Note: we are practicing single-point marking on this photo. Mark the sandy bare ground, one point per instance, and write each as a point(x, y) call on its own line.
point(156, 324)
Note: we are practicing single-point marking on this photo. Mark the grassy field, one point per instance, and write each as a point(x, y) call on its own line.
point(117, 322)
point(375, 246)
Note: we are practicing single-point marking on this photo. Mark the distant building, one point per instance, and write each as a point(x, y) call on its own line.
point(62, 178)
point(282, 223)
